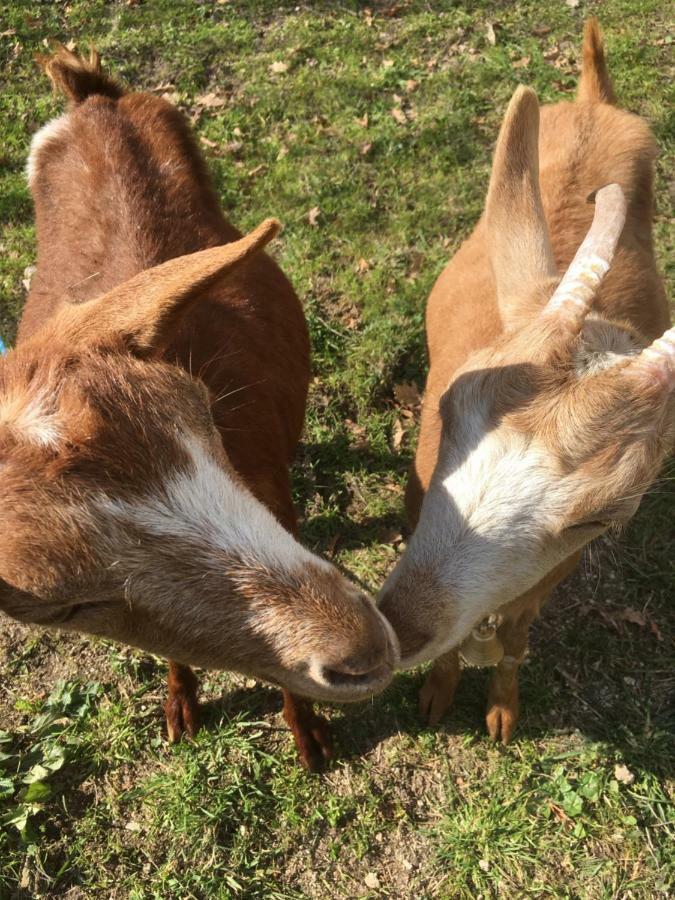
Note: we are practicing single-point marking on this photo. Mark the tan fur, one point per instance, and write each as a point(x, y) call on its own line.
point(527, 380)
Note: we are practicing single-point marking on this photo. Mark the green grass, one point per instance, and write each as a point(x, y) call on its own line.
point(428, 812)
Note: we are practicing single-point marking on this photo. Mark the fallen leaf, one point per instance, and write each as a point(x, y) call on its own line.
point(490, 34)
point(407, 394)
point(411, 85)
point(553, 53)
point(387, 63)
point(560, 814)
point(397, 435)
point(332, 544)
point(363, 122)
point(399, 115)
point(541, 29)
point(9, 33)
point(358, 433)
point(207, 142)
point(283, 151)
point(521, 63)
point(313, 215)
point(278, 68)
point(483, 865)
point(628, 614)
point(368, 16)
point(362, 266)
point(28, 273)
point(572, 3)
point(372, 881)
point(623, 774)
point(366, 148)
point(210, 101)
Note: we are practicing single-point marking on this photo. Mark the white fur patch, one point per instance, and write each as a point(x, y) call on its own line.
point(207, 507)
point(47, 133)
point(32, 418)
point(485, 525)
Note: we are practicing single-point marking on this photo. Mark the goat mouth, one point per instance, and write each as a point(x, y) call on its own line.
point(335, 685)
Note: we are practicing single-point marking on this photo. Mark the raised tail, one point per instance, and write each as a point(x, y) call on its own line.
point(76, 77)
point(595, 85)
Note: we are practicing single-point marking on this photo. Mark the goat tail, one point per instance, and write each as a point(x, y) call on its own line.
point(75, 76)
point(595, 85)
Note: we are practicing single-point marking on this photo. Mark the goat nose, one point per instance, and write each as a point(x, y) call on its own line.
point(349, 673)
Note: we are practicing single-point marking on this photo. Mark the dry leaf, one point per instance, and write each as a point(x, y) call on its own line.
point(363, 122)
point(210, 101)
point(372, 881)
point(560, 814)
point(399, 115)
point(407, 394)
point(278, 68)
point(313, 215)
point(411, 85)
point(332, 544)
point(207, 142)
point(362, 266)
point(258, 169)
point(490, 34)
point(484, 865)
point(366, 148)
point(397, 435)
point(387, 63)
point(623, 774)
point(541, 29)
point(28, 273)
point(521, 63)
point(628, 614)
point(572, 3)
point(551, 54)
point(368, 16)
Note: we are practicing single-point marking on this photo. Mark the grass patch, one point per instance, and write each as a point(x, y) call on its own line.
point(383, 119)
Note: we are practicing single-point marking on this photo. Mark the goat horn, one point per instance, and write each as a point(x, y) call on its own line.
point(658, 360)
point(573, 298)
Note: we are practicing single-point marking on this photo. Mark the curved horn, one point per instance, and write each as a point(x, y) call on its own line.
point(573, 298)
point(658, 360)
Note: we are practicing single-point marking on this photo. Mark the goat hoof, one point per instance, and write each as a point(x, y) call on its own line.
point(501, 721)
point(315, 743)
point(435, 698)
point(182, 716)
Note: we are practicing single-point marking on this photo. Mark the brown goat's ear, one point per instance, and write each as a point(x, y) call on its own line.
point(145, 310)
point(519, 247)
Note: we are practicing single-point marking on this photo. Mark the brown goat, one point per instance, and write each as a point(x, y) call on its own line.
point(543, 423)
point(148, 418)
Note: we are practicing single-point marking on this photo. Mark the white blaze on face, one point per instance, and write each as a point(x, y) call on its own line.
point(486, 526)
point(206, 506)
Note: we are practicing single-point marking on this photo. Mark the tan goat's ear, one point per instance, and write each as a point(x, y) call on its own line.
point(519, 247)
point(145, 310)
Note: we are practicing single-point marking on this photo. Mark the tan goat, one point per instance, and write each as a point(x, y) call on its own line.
point(544, 421)
point(148, 417)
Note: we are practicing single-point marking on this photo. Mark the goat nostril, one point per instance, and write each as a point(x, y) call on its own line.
point(346, 676)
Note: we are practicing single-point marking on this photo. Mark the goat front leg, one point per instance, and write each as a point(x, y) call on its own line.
point(182, 706)
point(503, 705)
point(438, 691)
point(310, 731)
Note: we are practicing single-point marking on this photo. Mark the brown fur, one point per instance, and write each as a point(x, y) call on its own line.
point(148, 320)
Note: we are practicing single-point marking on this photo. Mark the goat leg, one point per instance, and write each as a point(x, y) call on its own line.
point(182, 706)
point(311, 732)
point(503, 705)
point(438, 691)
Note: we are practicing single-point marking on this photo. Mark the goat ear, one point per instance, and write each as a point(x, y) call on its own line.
point(145, 310)
point(519, 247)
